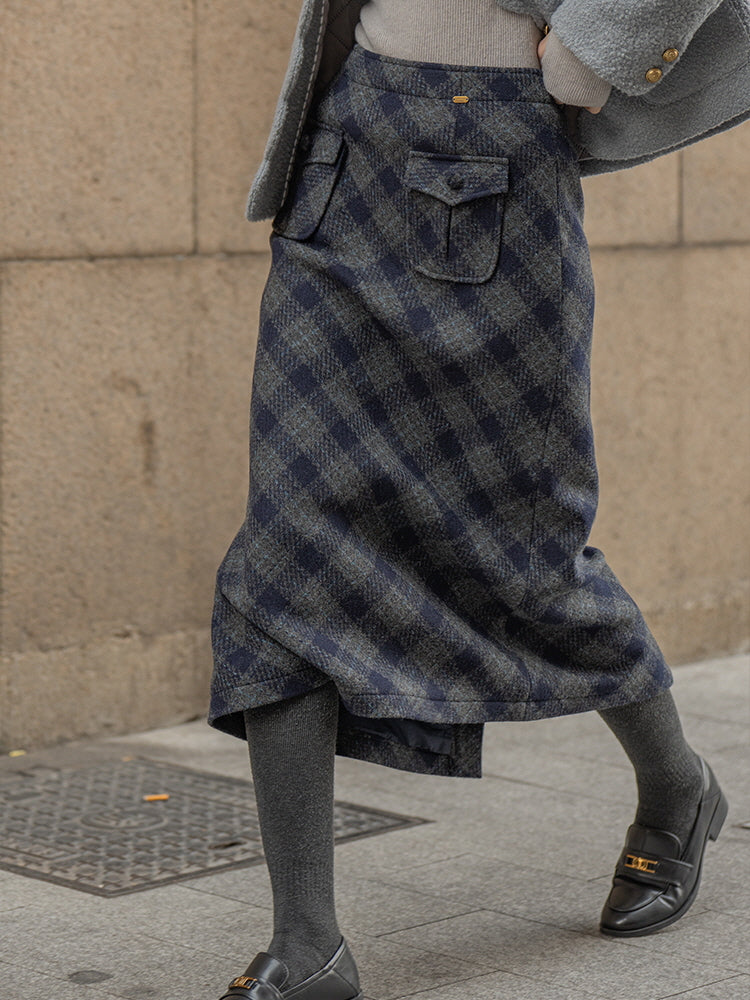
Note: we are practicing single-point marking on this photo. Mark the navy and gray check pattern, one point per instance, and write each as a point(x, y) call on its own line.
point(423, 479)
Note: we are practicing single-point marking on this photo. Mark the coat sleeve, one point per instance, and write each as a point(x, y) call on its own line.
point(631, 43)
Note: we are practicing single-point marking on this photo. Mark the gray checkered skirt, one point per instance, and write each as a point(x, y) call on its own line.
point(422, 471)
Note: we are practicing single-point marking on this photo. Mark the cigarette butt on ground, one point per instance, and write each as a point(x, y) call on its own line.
point(155, 798)
point(16, 753)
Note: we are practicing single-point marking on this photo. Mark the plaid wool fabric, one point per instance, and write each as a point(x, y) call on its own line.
point(423, 479)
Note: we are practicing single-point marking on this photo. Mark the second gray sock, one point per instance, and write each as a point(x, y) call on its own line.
point(668, 771)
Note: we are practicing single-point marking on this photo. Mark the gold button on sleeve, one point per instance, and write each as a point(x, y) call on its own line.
point(670, 55)
point(654, 74)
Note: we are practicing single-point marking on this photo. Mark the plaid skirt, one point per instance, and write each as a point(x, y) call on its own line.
point(422, 471)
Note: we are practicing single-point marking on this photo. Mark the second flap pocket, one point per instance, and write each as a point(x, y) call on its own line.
point(317, 166)
point(456, 206)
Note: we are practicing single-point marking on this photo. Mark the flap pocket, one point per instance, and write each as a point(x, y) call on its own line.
point(317, 165)
point(322, 145)
point(456, 179)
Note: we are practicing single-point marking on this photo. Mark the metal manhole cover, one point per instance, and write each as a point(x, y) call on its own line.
point(91, 829)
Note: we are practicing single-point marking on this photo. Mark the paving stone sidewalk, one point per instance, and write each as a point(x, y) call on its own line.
point(497, 897)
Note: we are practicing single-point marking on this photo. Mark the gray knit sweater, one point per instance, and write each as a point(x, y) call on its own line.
point(476, 33)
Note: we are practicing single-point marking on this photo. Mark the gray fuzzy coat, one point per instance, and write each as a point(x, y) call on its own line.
point(704, 90)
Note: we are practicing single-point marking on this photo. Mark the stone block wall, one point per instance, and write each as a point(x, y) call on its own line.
point(129, 292)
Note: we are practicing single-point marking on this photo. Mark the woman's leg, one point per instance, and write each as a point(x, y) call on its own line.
point(668, 771)
point(292, 747)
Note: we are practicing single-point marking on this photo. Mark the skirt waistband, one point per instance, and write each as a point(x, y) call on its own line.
point(444, 80)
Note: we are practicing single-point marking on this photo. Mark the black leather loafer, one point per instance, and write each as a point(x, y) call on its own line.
point(265, 977)
point(656, 880)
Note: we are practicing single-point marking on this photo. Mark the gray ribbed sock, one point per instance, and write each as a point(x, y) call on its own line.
point(292, 745)
point(668, 771)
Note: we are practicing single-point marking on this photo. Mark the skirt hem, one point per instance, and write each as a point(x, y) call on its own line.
point(464, 756)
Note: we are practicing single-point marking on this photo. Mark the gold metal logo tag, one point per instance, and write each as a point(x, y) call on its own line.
point(460, 99)
point(641, 864)
point(243, 981)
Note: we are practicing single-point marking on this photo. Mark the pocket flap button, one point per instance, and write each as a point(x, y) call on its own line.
point(456, 179)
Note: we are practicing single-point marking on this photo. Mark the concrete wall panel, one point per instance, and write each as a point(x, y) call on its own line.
point(131, 133)
point(671, 416)
point(96, 140)
point(242, 52)
point(126, 387)
point(640, 205)
point(111, 686)
point(716, 206)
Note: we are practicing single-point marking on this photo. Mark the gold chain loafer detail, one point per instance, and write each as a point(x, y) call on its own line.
point(655, 880)
point(264, 979)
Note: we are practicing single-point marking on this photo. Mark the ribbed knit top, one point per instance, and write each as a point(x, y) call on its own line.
point(462, 32)
point(475, 33)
